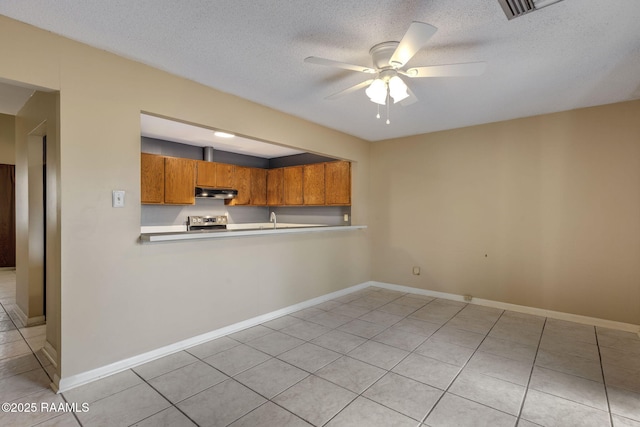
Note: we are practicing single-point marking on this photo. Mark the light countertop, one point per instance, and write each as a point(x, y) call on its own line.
point(179, 232)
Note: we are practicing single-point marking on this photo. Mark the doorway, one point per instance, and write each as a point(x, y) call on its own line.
point(8, 216)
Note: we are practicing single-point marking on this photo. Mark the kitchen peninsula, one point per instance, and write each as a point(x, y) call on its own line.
point(243, 232)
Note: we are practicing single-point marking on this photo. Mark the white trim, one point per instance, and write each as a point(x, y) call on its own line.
point(67, 383)
point(25, 320)
point(594, 321)
point(50, 353)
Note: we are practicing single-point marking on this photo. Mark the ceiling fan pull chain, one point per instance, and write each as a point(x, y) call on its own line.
point(378, 115)
point(388, 121)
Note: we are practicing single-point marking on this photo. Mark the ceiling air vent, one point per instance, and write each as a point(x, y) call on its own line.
point(515, 8)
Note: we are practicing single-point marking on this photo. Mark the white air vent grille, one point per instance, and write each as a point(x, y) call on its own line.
point(515, 8)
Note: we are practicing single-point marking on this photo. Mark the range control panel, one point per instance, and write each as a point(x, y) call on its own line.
point(202, 222)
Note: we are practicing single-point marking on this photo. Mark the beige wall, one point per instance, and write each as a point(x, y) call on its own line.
point(552, 201)
point(7, 139)
point(121, 298)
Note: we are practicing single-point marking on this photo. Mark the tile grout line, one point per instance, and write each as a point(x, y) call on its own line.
point(75, 414)
point(165, 398)
point(27, 343)
point(424, 419)
point(276, 357)
point(533, 366)
point(310, 373)
point(361, 394)
point(347, 355)
point(604, 379)
point(230, 377)
point(37, 359)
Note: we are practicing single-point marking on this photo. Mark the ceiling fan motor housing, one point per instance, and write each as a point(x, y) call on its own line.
point(381, 54)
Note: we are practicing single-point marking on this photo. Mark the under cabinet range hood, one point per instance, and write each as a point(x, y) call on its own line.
point(215, 193)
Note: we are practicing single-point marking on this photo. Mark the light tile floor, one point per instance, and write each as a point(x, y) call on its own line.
point(372, 358)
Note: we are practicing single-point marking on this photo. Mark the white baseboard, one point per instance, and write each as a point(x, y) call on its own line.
point(73, 381)
point(594, 321)
point(67, 383)
point(27, 321)
point(50, 353)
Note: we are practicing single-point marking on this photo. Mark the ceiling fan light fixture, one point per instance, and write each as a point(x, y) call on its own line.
point(377, 92)
point(397, 89)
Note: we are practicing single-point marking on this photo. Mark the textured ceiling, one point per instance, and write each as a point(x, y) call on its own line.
point(572, 54)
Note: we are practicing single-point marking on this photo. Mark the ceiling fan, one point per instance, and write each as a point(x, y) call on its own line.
point(389, 61)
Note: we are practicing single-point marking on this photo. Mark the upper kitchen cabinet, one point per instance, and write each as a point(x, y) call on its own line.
point(313, 184)
point(205, 174)
point(179, 181)
point(292, 191)
point(152, 178)
point(251, 184)
point(214, 175)
point(224, 175)
point(258, 187)
point(338, 183)
point(275, 187)
point(242, 183)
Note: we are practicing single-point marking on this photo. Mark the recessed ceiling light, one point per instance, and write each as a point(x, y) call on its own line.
point(223, 134)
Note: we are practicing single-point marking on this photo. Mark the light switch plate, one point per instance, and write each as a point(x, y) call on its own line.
point(117, 199)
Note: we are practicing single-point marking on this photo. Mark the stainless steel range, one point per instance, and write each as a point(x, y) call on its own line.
point(199, 223)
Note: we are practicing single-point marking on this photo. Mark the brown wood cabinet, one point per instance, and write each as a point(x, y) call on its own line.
point(258, 187)
point(313, 184)
point(215, 175)
point(242, 183)
point(275, 190)
point(167, 180)
point(179, 181)
point(338, 183)
point(171, 180)
point(224, 175)
point(205, 174)
point(151, 178)
point(292, 190)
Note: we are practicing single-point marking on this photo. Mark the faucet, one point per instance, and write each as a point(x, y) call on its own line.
point(273, 219)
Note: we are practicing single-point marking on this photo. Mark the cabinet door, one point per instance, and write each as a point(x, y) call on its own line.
point(242, 183)
point(258, 187)
point(179, 181)
point(224, 175)
point(275, 195)
point(206, 174)
point(313, 184)
point(151, 178)
point(292, 177)
point(338, 183)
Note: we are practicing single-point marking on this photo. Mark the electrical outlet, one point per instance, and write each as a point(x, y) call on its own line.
point(346, 217)
point(416, 271)
point(468, 298)
point(117, 199)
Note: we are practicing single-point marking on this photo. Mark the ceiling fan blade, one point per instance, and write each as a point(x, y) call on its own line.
point(410, 100)
point(338, 64)
point(413, 40)
point(450, 70)
point(350, 89)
